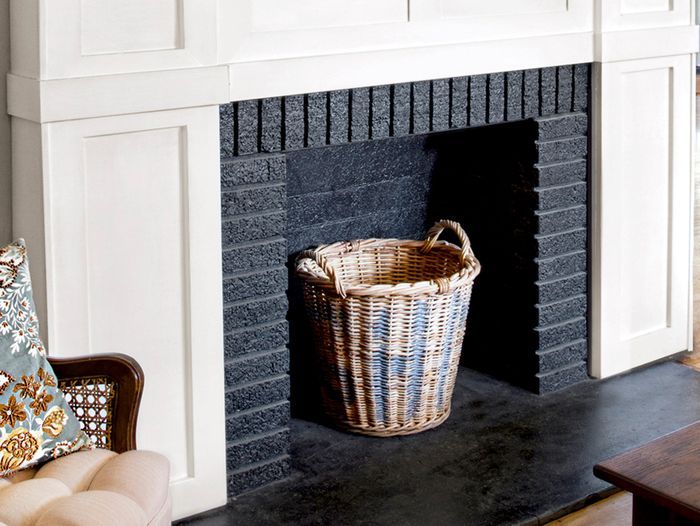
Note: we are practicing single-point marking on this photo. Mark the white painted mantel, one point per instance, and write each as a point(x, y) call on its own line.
point(116, 155)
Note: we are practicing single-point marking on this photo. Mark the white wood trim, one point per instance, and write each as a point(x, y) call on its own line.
point(616, 46)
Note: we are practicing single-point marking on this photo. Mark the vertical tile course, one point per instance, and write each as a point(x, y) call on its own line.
point(294, 122)
point(421, 107)
point(359, 127)
point(381, 112)
point(440, 105)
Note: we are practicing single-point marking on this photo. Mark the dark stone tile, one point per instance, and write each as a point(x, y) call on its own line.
point(563, 288)
point(554, 127)
point(565, 89)
point(581, 86)
point(563, 356)
point(251, 313)
point(245, 452)
point(256, 422)
point(256, 199)
point(401, 123)
point(561, 311)
point(551, 222)
point(421, 107)
point(548, 91)
point(340, 114)
point(381, 112)
point(271, 140)
point(264, 283)
point(562, 333)
point(441, 105)
point(248, 127)
point(316, 119)
point(256, 476)
point(256, 395)
point(460, 102)
point(359, 130)
point(557, 380)
point(249, 258)
point(256, 367)
point(557, 244)
point(256, 339)
point(531, 93)
point(478, 94)
point(253, 170)
point(549, 198)
point(561, 266)
point(496, 97)
point(562, 150)
point(294, 122)
point(253, 228)
point(514, 89)
point(226, 121)
point(561, 173)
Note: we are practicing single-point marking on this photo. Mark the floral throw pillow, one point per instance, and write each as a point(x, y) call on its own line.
point(36, 423)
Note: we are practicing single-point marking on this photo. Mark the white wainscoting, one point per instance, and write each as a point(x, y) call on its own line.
point(133, 265)
point(642, 201)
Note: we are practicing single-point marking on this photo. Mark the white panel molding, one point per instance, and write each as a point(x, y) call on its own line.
point(119, 180)
point(642, 211)
point(617, 15)
point(646, 43)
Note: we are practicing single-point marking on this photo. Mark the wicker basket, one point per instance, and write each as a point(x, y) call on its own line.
point(389, 318)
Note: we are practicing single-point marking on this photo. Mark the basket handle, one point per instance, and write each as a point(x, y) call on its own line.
point(327, 268)
point(467, 257)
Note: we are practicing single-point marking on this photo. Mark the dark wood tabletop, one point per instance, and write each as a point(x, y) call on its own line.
point(663, 476)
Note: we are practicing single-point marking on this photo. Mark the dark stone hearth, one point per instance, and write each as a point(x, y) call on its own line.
point(505, 456)
point(386, 161)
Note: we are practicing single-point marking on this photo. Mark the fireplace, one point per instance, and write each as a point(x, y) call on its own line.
point(505, 154)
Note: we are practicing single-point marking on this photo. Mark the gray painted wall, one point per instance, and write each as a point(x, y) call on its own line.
point(5, 143)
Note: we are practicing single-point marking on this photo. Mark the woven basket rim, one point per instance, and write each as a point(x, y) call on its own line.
point(311, 272)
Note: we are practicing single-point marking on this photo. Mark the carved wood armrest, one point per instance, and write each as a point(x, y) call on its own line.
point(104, 391)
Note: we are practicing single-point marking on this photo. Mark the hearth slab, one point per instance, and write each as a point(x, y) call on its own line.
point(505, 456)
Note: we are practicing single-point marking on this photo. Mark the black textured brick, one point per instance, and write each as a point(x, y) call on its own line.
point(441, 105)
point(255, 199)
point(460, 102)
point(514, 90)
point(562, 333)
point(381, 112)
point(241, 425)
point(258, 394)
point(531, 93)
point(253, 228)
point(556, 244)
point(561, 311)
point(248, 258)
point(251, 313)
point(294, 122)
point(548, 91)
point(561, 173)
point(562, 356)
point(557, 126)
point(316, 119)
point(226, 123)
point(562, 150)
point(256, 367)
point(271, 140)
point(561, 266)
point(340, 113)
point(253, 170)
point(560, 220)
point(264, 283)
point(248, 127)
point(421, 107)
point(478, 94)
point(254, 477)
point(559, 289)
point(401, 123)
point(581, 87)
point(565, 89)
point(552, 197)
point(256, 339)
point(496, 97)
point(359, 130)
point(561, 378)
point(241, 453)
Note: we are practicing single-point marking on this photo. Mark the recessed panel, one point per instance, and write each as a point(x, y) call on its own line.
point(645, 6)
point(119, 26)
point(471, 8)
point(283, 15)
point(645, 204)
point(136, 263)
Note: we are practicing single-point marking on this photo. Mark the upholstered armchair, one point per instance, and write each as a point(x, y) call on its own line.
point(114, 484)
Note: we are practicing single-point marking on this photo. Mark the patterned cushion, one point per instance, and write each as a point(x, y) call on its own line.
point(36, 423)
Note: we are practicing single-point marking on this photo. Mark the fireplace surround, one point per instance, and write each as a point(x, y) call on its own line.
point(506, 154)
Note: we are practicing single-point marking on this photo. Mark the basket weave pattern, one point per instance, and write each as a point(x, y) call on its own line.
point(389, 318)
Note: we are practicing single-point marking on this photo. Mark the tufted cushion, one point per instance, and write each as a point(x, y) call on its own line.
point(96, 488)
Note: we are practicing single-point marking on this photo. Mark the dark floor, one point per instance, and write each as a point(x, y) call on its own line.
point(505, 456)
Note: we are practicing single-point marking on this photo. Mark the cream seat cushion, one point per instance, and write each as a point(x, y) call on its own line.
point(95, 488)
